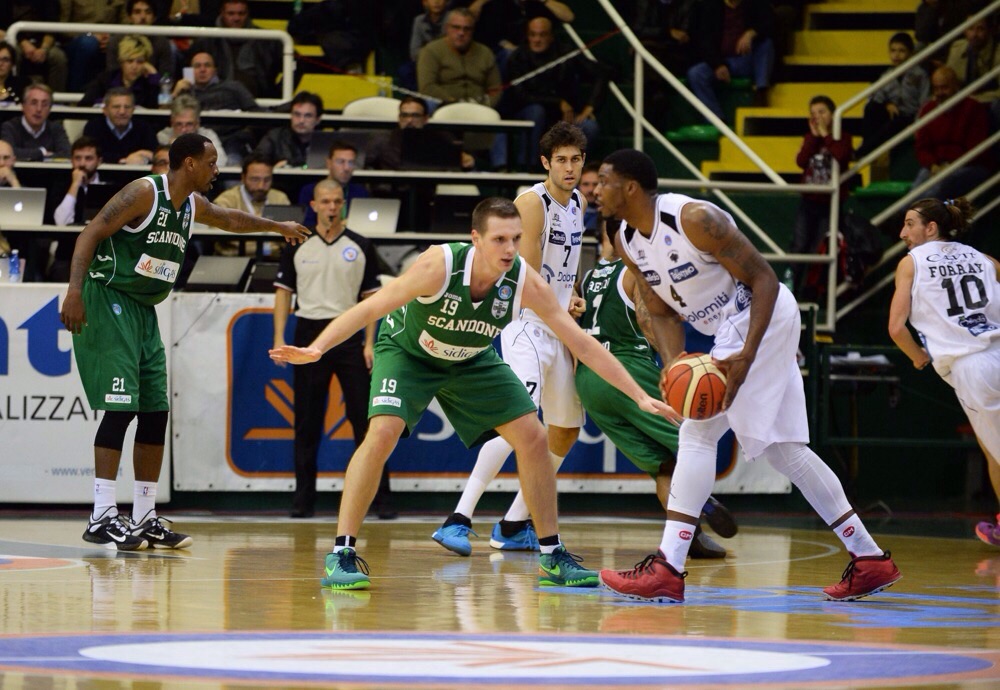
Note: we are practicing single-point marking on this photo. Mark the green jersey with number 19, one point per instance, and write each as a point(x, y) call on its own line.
point(143, 262)
point(448, 327)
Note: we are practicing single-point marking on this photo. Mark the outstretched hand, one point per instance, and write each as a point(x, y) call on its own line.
point(295, 355)
point(293, 232)
point(654, 406)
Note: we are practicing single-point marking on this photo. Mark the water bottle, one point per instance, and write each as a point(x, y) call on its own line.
point(14, 270)
point(296, 6)
point(166, 86)
point(788, 279)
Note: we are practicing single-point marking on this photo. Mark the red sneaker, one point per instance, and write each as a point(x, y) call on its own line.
point(989, 533)
point(864, 576)
point(651, 580)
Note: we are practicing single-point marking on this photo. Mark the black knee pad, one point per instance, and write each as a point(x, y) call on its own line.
point(152, 428)
point(111, 432)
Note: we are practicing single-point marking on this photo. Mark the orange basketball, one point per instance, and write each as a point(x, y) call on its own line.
point(695, 387)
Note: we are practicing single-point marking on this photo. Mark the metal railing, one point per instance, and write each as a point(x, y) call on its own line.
point(777, 254)
point(287, 52)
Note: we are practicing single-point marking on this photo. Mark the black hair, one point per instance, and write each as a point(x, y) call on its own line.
point(634, 165)
point(341, 145)
point(492, 207)
point(256, 157)
point(85, 142)
point(309, 97)
point(951, 215)
point(414, 99)
point(825, 100)
point(562, 134)
point(904, 39)
point(191, 145)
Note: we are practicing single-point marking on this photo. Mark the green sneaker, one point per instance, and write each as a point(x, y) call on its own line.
point(346, 570)
point(561, 569)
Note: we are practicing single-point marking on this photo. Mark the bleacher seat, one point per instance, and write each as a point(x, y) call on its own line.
point(379, 107)
point(469, 112)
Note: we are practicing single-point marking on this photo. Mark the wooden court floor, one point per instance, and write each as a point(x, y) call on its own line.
point(243, 608)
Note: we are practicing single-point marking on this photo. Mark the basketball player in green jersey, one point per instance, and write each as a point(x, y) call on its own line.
point(616, 317)
point(436, 340)
point(125, 262)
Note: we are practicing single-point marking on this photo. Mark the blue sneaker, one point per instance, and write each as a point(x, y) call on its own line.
point(525, 540)
point(454, 537)
point(346, 570)
point(562, 569)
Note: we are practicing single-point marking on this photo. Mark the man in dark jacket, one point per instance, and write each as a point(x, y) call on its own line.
point(555, 94)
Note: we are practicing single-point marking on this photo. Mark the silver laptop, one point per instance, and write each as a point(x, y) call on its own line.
point(282, 213)
point(24, 206)
point(220, 274)
point(372, 217)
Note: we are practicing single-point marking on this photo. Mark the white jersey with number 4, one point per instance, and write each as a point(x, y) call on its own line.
point(687, 279)
point(955, 301)
point(562, 240)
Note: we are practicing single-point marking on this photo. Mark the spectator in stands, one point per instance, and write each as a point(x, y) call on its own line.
point(733, 40)
point(121, 138)
point(255, 63)
point(385, 148)
point(33, 136)
point(11, 84)
point(344, 28)
point(501, 25)
point(289, 145)
point(185, 117)
point(8, 178)
point(341, 163)
point(456, 68)
point(665, 31)
point(214, 93)
point(161, 160)
point(588, 187)
point(956, 132)
point(253, 193)
point(41, 56)
point(935, 18)
point(893, 107)
point(135, 72)
point(143, 13)
point(87, 52)
point(427, 26)
point(819, 150)
point(86, 159)
point(975, 55)
point(554, 95)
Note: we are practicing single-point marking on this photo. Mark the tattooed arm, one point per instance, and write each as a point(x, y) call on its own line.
point(127, 207)
point(241, 223)
point(712, 231)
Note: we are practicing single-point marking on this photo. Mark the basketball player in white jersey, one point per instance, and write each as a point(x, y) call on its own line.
point(694, 264)
point(552, 217)
point(950, 293)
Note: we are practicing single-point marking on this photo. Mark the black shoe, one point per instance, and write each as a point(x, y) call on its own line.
point(718, 517)
point(383, 508)
point(113, 532)
point(301, 513)
point(158, 535)
point(702, 546)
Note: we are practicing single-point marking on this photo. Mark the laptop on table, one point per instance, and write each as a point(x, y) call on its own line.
point(373, 217)
point(21, 206)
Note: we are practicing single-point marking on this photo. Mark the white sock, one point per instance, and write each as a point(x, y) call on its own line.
point(519, 509)
point(677, 538)
point(549, 549)
point(491, 458)
point(104, 498)
point(143, 502)
point(856, 538)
